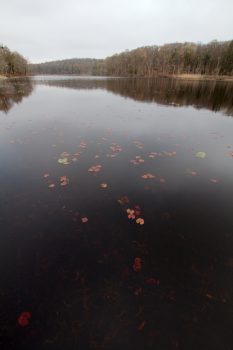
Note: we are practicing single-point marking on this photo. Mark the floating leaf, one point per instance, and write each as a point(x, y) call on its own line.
point(83, 144)
point(23, 319)
point(138, 144)
point(64, 180)
point(137, 266)
point(201, 155)
point(137, 210)
point(191, 172)
point(63, 161)
point(210, 296)
point(95, 168)
point(140, 221)
point(169, 154)
point(64, 154)
point(103, 185)
point(137, 160)
point(51, 185)
point(130, 213)
point(138, 291)
point(123, 200)
point(148, 176)
point(84, 220)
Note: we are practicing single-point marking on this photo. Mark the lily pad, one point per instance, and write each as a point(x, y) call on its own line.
point(201, 155)
point(63, 161)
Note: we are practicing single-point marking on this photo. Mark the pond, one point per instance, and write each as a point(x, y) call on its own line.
point(116, 222)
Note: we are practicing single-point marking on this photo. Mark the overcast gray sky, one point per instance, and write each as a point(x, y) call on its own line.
point(43, 30)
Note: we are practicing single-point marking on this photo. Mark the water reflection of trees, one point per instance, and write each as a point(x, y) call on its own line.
point(13, 91)
point(213, 95)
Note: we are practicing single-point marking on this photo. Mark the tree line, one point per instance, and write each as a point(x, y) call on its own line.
point(82, 66)
point(12, 63)
point(214, 58)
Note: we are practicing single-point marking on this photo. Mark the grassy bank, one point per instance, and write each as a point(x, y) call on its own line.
point(2, 77)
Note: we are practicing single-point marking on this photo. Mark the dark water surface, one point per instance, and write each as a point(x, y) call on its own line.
point(109, 282)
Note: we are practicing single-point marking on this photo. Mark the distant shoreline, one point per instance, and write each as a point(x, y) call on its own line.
point(197, 77)
point(193, 77)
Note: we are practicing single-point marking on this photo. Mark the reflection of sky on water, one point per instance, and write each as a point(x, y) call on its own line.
point(54, 115)
point(214, 95)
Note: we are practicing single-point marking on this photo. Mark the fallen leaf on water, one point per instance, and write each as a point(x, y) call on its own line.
point(51, 185)
point(138, 291)
point(64, 154)
point(200, 155)
point(169, 154)
point(148, 176)
point(153, 154)
point(123, 200)
point(77, 154)
point(137, 266)
point(116, 148)
point(137, 160)
point(130, 213)
point(138, 144)
point(210, 296)
point(23, 319)
point(95, 168)
point(111, 155)
point(74, 159)
point(103, 185)
point(84, 220)
point(46, 175)
point(140, 221)
point(137, 210)
point(191, 172)
point(64, 180)
point(83, 144)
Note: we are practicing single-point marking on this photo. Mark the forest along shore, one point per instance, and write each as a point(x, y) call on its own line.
point(197, 77)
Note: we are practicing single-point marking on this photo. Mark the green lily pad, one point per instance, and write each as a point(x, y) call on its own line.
point(201, 155)
point(63, 161)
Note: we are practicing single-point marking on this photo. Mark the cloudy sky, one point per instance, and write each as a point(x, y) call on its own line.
point(43, 30)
